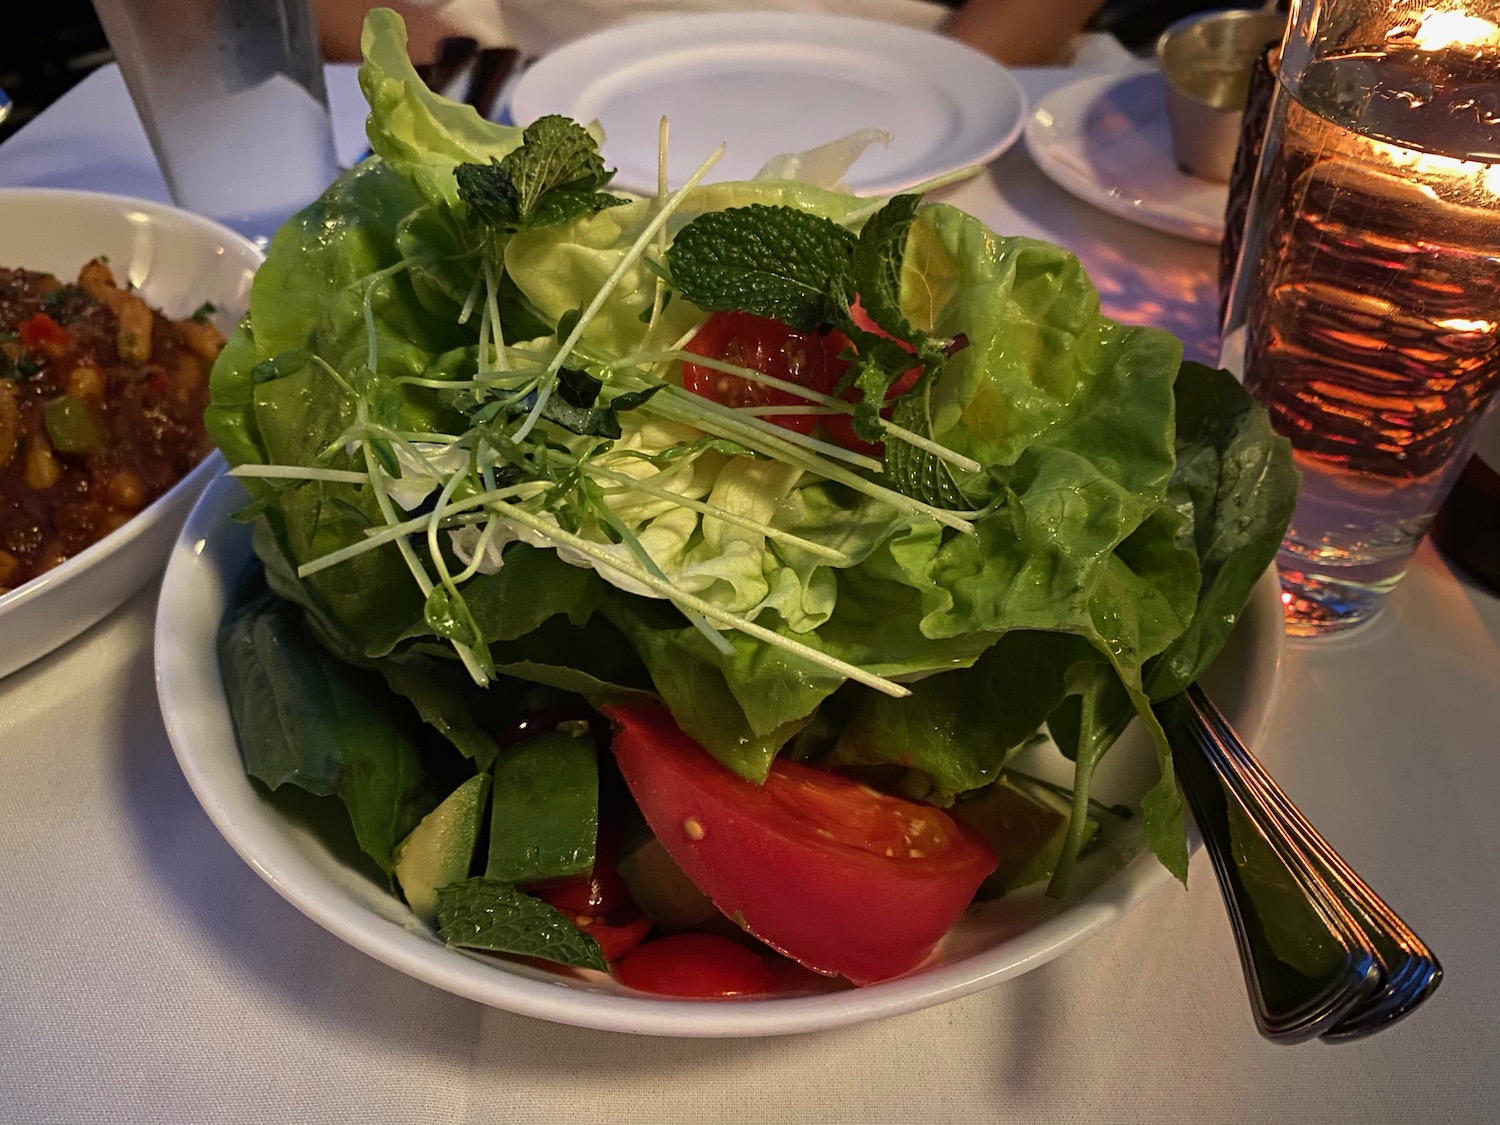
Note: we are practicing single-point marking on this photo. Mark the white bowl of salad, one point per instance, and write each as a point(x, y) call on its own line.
point(676, 605)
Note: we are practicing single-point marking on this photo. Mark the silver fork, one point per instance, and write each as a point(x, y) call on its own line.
point(1323, 955)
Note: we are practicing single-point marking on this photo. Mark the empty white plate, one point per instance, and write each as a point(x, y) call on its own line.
point(1106, 140)
point(768, 83)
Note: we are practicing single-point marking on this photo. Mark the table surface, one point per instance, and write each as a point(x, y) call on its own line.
point(151, 976)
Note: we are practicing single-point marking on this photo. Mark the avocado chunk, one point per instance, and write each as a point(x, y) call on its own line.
point(1024, 824)
point(440, 848)
point(544, 817)
point(660, 888)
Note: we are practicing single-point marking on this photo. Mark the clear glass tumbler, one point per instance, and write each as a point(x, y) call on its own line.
point(232, 97)
point(1365, 310)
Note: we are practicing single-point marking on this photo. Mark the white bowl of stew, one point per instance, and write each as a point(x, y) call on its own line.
point(103, 377)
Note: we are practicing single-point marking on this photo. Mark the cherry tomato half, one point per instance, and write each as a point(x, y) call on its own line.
point(835, 875)
point(772, 348)
point(810, 359)
point(701, 966)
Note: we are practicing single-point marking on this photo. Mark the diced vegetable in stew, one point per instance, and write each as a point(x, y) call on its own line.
point(101, 411)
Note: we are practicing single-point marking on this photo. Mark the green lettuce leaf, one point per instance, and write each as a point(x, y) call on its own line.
point(1237, 484)
point(422, 134)
point(1121, 513)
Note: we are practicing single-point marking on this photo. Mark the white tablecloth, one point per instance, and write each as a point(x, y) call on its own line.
point(149, 976)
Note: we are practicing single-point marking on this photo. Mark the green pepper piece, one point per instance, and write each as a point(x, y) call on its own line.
point(544, 812)
point(73, 426)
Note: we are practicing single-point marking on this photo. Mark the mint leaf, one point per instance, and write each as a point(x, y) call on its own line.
point(880, 363)
point(916, 472)
point(878, 255)
point(490, 915)
point(585, 421)
point(578, 388)
point(490, 193)
point(576, 406)
point(771, 261)
point(555, 153)
point(551, 178)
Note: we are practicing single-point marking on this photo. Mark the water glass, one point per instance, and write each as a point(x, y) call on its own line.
point(1365, 310)
point(232, 97)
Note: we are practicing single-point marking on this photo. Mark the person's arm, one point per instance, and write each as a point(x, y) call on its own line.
point(340, 23)
point(1020, 32)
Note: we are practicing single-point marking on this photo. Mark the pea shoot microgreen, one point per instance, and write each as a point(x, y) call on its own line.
point(542, 457)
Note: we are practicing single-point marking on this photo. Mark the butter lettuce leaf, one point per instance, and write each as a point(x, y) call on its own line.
point(1124, 506)
point(422, 134)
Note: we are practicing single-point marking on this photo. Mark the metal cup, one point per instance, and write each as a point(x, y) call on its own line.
point(231, 94)
point(1206, 60)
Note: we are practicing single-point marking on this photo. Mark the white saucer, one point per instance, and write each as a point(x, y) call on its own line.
point(1106, 140)
point(769, 83)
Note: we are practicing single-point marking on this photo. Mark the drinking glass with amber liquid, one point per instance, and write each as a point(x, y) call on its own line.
point(1365, 310)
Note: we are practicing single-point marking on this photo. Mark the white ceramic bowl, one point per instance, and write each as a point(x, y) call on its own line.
point(993, 943)
point(177, 261)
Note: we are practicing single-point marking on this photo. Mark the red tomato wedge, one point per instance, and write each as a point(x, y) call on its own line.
point(772, 348)
point(44, 332)
point(840, 427)
point(617, 933)
point(831, 873)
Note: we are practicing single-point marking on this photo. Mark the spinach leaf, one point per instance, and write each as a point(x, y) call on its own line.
point(306, 719)
point(1236, 482)
point(959, 728)
point(447, 702)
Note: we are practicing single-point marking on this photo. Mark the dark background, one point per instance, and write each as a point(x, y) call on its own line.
point(47, 46)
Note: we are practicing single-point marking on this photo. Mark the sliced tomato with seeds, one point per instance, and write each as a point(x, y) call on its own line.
point(837, 876)
point(808, 359)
